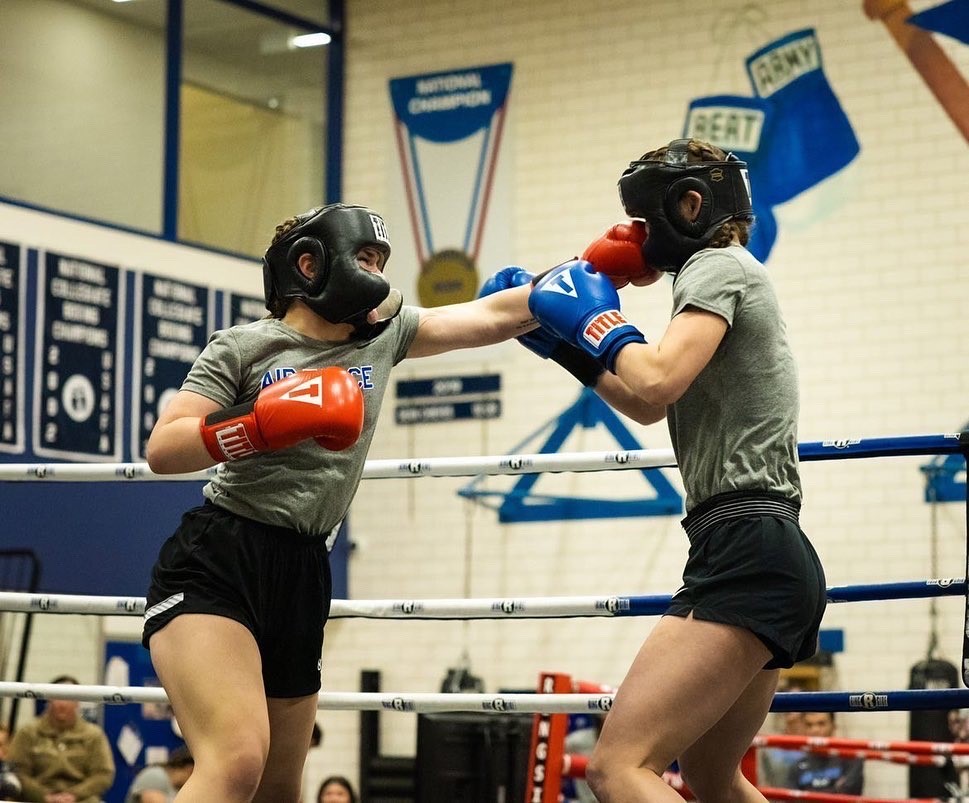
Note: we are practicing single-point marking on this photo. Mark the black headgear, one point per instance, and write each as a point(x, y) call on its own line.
point(652, 190)
point(340, 290)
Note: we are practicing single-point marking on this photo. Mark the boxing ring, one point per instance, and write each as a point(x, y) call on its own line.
point(557, 695)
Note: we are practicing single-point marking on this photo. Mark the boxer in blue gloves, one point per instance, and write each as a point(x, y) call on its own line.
point(723, 375)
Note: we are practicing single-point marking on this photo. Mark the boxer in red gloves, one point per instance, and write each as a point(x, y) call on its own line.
point(288, 404)
point(325, 404)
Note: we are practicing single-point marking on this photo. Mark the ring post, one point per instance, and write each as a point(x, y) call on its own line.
point(544, 782)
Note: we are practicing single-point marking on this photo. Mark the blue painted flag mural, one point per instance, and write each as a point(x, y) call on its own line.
point(792, 130)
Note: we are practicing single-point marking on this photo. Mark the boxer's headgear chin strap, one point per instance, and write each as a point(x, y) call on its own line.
point(652, 190)
point(340, 290)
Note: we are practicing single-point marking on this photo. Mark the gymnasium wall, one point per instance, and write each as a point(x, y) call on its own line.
point(868, 264)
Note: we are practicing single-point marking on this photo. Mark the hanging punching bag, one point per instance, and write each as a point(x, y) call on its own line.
point(931, 726)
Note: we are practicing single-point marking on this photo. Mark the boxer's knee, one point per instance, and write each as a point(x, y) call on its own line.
point(610, 776)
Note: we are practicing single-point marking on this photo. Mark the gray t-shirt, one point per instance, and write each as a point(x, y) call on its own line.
point(306, 487)
point(153, 778)
point(735, 428)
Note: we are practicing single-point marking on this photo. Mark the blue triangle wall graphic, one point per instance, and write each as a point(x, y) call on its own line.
point(521, 505)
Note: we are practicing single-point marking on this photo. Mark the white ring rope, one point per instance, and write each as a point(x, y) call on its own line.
point(373, 469)
point(525, 703)
point(839, 448)
point(481, 608)
point(338, 701)
point(496, 608)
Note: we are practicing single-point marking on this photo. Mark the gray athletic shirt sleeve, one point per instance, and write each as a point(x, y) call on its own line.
point(306, 487)
point(735, 428)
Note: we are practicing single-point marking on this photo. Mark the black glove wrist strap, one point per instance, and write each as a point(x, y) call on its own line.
point(228, 413)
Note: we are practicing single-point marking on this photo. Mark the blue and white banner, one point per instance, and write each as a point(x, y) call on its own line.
point(172, 324)
point(810, 137)
point(447, 398)
point(738, 125)
point(241, 309)
point(792, 132)
point(79, 368)
point(13, 288)
point(451, 209)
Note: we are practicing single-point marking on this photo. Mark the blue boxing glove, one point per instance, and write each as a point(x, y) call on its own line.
point(582, 306)
point(542, 342)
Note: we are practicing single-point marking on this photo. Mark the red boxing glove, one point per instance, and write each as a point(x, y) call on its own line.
point(324, 403)
point(619, 255)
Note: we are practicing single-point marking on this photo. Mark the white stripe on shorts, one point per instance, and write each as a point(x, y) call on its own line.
point(164, 605)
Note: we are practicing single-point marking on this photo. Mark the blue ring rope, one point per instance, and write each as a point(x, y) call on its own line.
point(656, 604)
point(910, 700)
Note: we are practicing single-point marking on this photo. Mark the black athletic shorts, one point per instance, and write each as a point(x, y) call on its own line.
point(271, 579)
point(750, 565)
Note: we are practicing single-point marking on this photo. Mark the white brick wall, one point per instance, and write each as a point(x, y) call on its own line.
point(869, 267)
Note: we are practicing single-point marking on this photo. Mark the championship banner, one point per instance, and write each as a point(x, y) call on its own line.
point(172, 324)
point(240, 309)
point(79, 368)
point(451, 210)
point(13, 286)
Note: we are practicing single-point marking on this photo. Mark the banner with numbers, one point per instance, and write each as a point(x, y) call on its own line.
point(243, 309)
point(79, 370)
point(87, 313)
point(172, 323)
point(13, 289)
